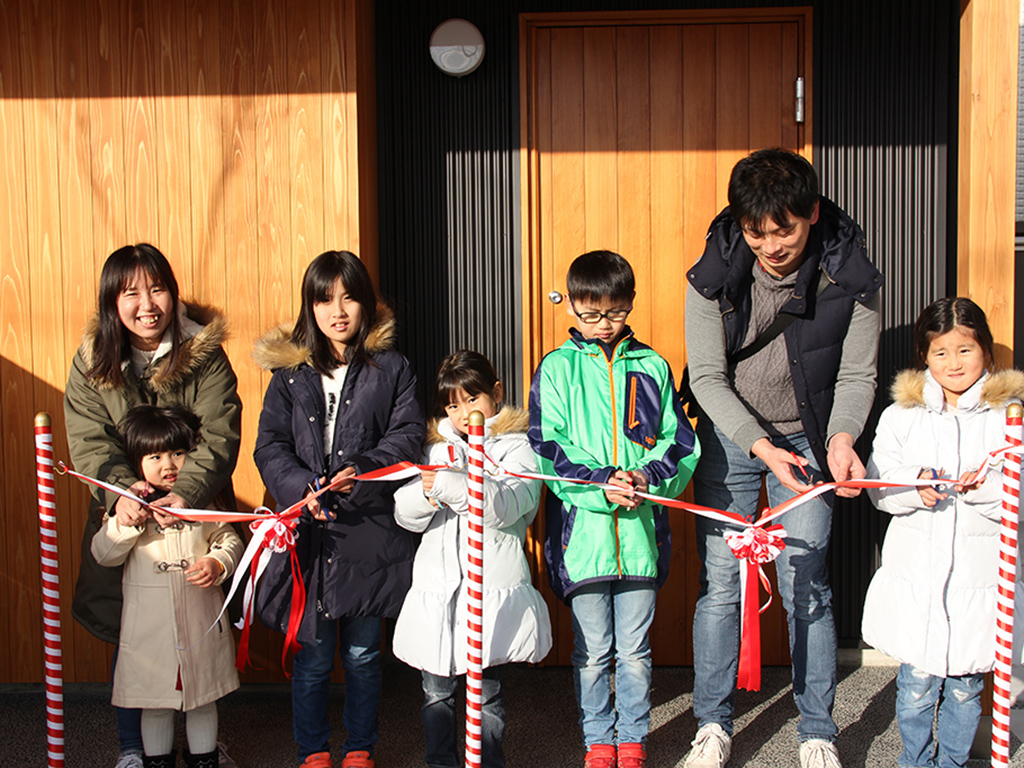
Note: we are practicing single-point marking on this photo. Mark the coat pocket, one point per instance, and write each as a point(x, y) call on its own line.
point(642, 414)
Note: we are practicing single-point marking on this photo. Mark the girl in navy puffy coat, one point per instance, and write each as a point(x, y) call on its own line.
point(341, 403)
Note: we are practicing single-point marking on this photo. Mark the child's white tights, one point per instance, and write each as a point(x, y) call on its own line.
point(200, 727)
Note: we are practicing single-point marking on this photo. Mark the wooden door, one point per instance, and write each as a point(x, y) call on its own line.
point(631, 126)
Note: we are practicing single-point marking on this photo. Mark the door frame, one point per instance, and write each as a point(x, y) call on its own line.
point(534, 293)
point(529, 23)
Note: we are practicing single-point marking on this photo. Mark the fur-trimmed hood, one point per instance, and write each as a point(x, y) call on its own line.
point(509, 420)
point(211, 330)
point(275, 350)
point(909, 388)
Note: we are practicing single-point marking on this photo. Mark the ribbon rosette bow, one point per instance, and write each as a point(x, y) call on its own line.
point(756, 545)
point(280, 536)
point(274, 534)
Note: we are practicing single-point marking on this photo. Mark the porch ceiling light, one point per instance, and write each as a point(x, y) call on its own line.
point(457, 47)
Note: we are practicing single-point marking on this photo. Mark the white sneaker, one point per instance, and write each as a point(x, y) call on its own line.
point(818, 753)
point(711, 748)
point(131, 758)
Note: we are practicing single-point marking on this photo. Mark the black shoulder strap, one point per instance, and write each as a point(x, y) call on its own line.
point(779, 324)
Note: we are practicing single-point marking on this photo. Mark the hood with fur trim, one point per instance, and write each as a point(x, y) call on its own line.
point(908, 389)
point(275, 350)
point(195, 351)
point(509, 420)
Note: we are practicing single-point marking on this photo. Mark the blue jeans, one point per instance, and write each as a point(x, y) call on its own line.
point(359, 638)
point(959, 703)
point(439, 721)
point(728, 479)
point(610, 620)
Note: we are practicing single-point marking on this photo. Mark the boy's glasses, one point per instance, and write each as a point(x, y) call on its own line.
point(613, 315)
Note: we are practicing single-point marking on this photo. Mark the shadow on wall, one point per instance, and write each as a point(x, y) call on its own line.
point(85, 659)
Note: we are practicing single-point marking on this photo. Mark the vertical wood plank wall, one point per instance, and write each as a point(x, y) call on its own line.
point(989, 32)
point(223, 132)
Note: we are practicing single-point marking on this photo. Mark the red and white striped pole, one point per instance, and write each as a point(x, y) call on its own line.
point(51, 592)
point(475, 590)
point(1001, 700)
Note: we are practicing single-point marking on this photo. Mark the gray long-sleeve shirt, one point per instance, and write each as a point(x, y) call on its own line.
point(713, 384)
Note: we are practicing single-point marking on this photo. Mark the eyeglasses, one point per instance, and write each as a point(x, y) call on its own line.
point(613, 315)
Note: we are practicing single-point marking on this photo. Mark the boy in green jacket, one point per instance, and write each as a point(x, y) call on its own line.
point(603, 407)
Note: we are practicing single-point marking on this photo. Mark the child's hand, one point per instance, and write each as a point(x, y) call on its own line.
point(640, 481)
point(345, 476)
point(930, 495)
point(172, 500)
point(624, 498)
point(428, 476)
point(968, 482)
point(314, 505)
point(204, 572)
point(130, 513)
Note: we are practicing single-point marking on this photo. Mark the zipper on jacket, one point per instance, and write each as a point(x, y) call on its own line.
point(632, 404)
point(615, 447)
point(615, 416)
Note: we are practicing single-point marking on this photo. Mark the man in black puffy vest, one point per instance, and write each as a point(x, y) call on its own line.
point(782, 323)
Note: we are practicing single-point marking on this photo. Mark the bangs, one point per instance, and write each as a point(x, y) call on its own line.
point(149, 429)
point(465, 371)
point(142, 269)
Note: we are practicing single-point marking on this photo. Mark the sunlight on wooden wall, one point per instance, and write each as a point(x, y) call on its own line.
point(225, 133)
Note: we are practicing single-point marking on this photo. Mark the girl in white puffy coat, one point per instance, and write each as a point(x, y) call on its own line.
point(431, 630)
point(932, 604)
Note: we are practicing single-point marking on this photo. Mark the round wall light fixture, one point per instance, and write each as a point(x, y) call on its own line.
point(457, 47)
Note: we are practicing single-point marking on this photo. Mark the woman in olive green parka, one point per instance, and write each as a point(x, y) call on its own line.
point(144, 345)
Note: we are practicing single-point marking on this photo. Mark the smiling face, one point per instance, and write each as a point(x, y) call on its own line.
point(463, 404)
point(780, 247)
point(145, 308)
point(161, 469)
point(339, 318)
point(956, 361)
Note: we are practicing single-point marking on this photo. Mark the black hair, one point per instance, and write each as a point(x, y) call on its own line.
point(466, 370)
point(317, 287)
point(943, 316)
point(149, 429)
point(772, 184)
point(598, 275)
point(112, 342)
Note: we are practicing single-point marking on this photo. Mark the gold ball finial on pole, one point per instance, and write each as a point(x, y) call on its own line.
point(476, 419)
point(43, 419)
point(1015, 410)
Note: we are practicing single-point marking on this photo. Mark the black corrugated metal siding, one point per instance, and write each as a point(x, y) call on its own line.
point(884, 99)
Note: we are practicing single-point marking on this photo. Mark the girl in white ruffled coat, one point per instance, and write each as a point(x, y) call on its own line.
point(932, 604)
point(431, 630)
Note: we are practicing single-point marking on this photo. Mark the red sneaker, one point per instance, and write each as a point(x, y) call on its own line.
point(632, 755)
point(317, 760)
point(600, 756)
point(358, 759)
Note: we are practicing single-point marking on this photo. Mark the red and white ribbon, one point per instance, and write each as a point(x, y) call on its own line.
point(51, 592)
point(1001, 700)
point(756, 546)
point(271, 533)
point(474, 586)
